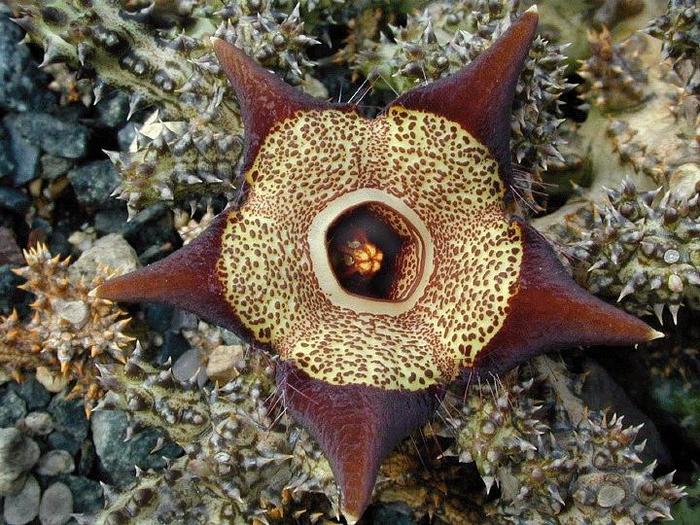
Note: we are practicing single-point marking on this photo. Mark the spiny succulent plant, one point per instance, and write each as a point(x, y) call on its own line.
point(69, 331)
point(679, 29)
point(610, 482)
point(173, 495)
point(242, 464)
point(640, 248)
point(274, 39)
point(448, 35)
point(183, 155)
point(178, 496)
point(658, 135)
point(487, 431)
point(189, 146)
point(551, 469)
point(615, 78)
point(188, 227)
point(237, 447)
point(652, 142)
point(429, 487)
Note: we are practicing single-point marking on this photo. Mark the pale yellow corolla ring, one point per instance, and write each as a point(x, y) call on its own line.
point(322, 266)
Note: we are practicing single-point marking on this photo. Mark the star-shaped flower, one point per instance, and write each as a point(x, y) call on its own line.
point(376, 258)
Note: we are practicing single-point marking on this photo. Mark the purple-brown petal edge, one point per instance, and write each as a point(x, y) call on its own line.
point(357, 426)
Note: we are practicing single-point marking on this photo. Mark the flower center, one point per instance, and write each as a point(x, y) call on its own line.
point(361, 257)
point(363, 249)
point(370, 252)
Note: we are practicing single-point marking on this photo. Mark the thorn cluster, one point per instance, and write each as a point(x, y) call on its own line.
point(679, 29)
point(587, 472)
point(190, 228)
point(641, 249)
point(493, 426)
point(615, 77)
point(69, 331)
point(273, 38)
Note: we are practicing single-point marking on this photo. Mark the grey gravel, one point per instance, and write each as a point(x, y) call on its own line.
point(7, 162)
point(23, 507)
point(12, 408)
point(33, 393)
point(117, 458)
point(24, 152)
point(55, 462)
point(87, 493)
point(14, 200)
point(56, 505)
point(53, 167)
point(71, 425)
point(87, 457)
point(94, 182)
point(21, 82)
point(62, 137)
point(113, 109)
point(189, 366)
point(18, 454)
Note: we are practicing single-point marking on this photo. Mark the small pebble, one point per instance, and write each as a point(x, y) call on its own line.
point(55, 462)
point(39, 423)
point(675, 283)
point(189, 366)
point(18, 454)
point(56, 505)
point(224, 362)
point(94, 182)
point(671, 256)
point(12, 408)
point(53, 167)
point(23, 507)
point(111, 250)
point(76, 313)
point(49, 380)
point(87, 493)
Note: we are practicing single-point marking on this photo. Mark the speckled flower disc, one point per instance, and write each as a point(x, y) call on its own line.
point(438, 179)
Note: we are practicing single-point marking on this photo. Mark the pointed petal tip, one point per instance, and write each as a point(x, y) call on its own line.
point(655, 334)
point(532, 9)
point(355, 425)
point(217, 43)
point(264, 98)
point(350, 517)
point(112, 289)
point(479, 97)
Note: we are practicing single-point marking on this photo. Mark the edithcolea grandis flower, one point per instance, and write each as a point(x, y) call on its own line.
point(376, 257)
